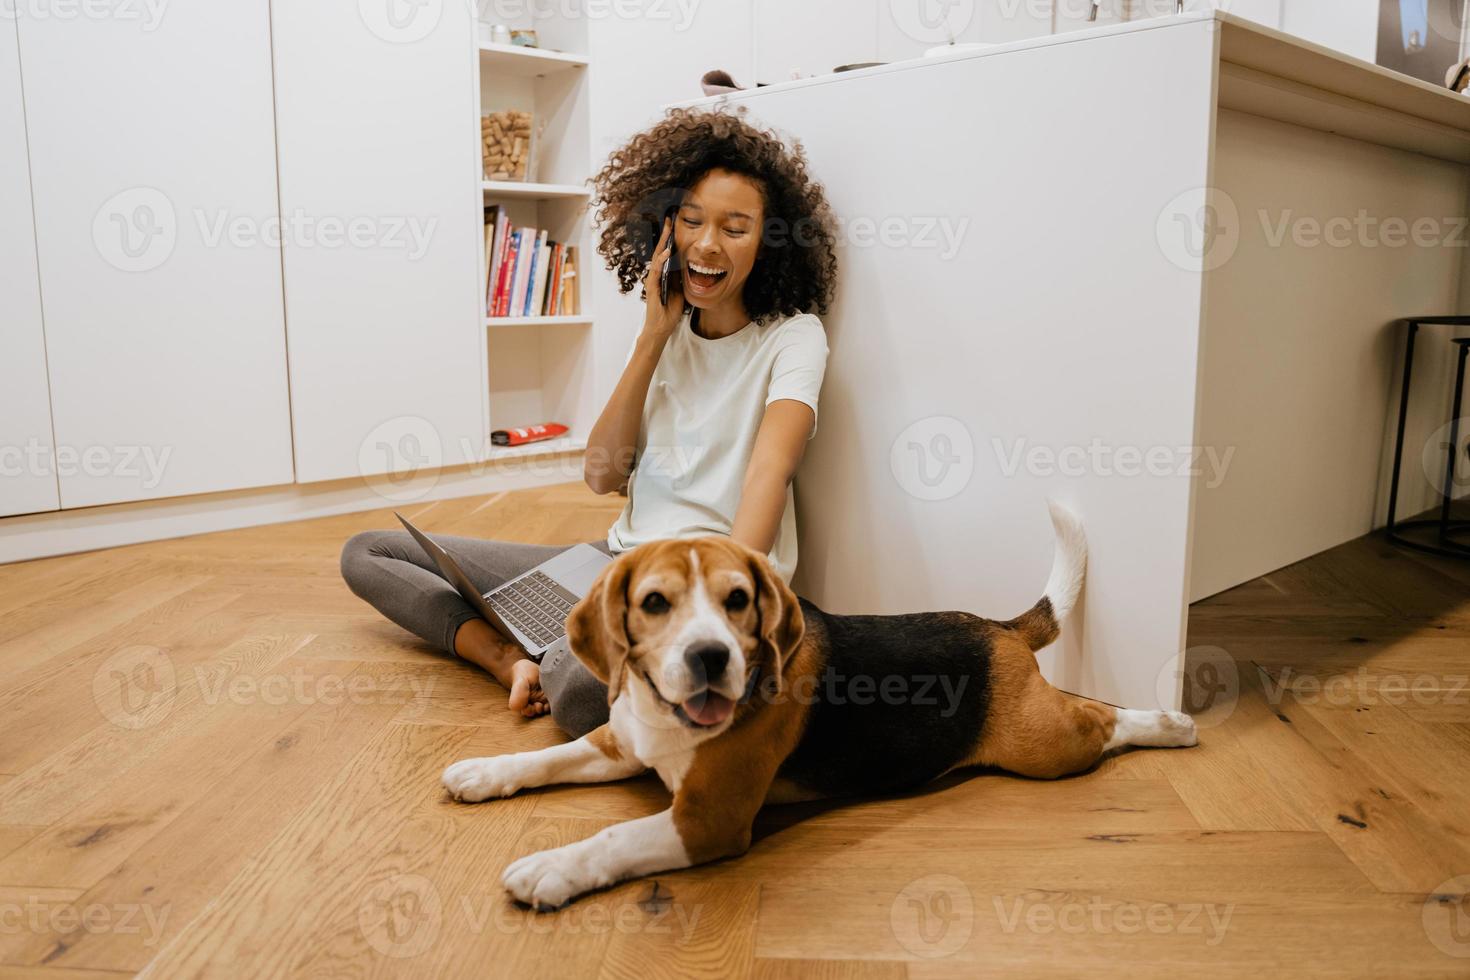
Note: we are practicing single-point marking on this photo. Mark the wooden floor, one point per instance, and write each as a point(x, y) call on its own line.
point(214, 759)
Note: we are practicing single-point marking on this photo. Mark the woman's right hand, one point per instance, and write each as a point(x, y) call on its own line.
point(659, 320)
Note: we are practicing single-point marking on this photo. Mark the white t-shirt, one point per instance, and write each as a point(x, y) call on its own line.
point(705, 404)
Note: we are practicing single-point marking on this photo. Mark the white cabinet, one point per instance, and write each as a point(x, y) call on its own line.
point(27, 477)
point(379, 170)
point(153, 151)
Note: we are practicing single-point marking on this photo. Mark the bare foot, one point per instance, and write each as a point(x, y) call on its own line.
point(478, 643)
point(526, 695)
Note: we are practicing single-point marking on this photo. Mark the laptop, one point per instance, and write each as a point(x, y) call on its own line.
point(531, 608)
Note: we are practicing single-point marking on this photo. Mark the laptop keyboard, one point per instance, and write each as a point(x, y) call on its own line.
point(536, 606)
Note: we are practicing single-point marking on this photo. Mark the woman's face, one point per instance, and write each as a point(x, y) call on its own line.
point(718, 230)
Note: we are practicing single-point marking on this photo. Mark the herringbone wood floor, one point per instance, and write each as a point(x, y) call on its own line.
point(215, 760)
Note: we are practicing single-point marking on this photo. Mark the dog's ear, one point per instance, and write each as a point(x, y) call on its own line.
point(597, 627)
point(781, 625)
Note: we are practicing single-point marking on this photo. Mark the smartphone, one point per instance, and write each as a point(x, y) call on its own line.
point(670, 278)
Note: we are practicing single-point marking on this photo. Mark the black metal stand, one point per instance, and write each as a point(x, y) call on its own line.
point(1446, 529)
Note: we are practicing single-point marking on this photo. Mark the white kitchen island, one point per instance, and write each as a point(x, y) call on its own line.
point(1150, 270)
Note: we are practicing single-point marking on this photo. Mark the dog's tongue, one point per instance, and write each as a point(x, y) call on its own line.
point(708, 708)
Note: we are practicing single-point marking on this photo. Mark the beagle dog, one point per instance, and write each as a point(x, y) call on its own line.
point(739, 694)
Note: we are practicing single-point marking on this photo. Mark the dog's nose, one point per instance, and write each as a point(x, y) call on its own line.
point(707, 659)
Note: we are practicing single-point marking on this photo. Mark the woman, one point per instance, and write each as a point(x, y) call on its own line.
point(715, 405)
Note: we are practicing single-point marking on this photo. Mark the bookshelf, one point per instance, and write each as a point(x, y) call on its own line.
point(540, 368)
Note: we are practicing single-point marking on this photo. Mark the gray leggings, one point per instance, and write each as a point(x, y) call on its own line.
point(391, 572)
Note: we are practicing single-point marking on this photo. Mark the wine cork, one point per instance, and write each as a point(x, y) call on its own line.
point(506, 142)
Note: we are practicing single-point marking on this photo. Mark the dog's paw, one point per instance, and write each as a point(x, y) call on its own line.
point(547, 880)
point(473, 780)
point(1180, 727)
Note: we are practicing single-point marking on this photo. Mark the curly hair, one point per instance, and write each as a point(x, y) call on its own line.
point(796, 262)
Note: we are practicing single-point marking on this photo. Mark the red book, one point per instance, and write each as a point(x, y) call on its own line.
point(531, 433)
point(507, 265)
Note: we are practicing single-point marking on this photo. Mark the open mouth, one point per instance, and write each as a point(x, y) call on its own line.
point(702, 278)
point(704, 710)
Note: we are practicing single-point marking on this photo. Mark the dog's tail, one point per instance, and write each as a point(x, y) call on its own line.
point(1041, 624)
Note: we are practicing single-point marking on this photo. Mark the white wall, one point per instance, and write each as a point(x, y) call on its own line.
point(816, 36)
point(1266, 12)
point(1349, 26)
point(812, 37)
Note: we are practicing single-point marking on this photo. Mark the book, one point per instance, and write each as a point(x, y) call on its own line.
point(553, 295)
point(490, 251)
point(517, 272)
point(520, 298)
point(496, 232)
point(528, 273)
point(530, 433)
point(571, 304)
point(507, 274)
point(501, 254)
point(539, 277)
